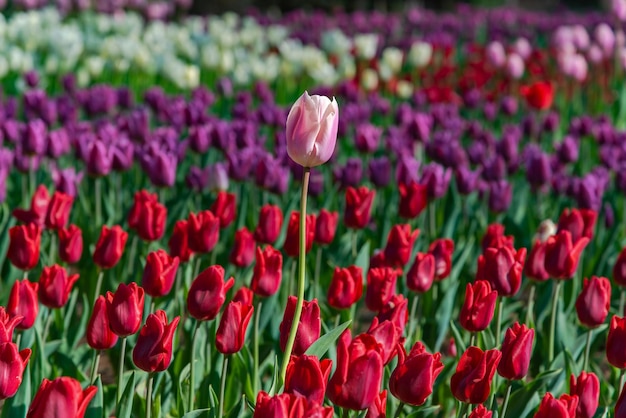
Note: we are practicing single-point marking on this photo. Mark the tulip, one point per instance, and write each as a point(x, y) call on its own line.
point(307, 376)
point(24, 243)
point(244, 295)
point(500, 195)
point(494, 237)
point(268, 271)
point(159, 273)
point(231, 332)
point(400, 244)
point(270, 223)
point(38, 208)
point(381, 286)
point(615, 342)
point(388, 336)
point(563, 407)
point(58, 212)
point(378, 409)
point(289, 405)
point(325, 227)
point(619, 269)
point(380, 171)
point(502, 268)
point(478, 308)
point(203, 231)
point(594, 301)
point(292, 243)
point(579, 222)
point(396, 311)
point(242, 252)
point(110, 246)
point(125, 309)
point(516, 352)
point(346, 287)
point(311, 132)
point(535, 263)
point(99, 334)
point(61, 397)
point(153, 351)
point(55, 286)
point(442, 250)
point(561, 259)
point(225, 208)
point(587, 388)
point(147, 216)
point(12, 365)
point(179, 242)
point(422, 273)
point(70, 244)
point(538, 95)
point(23, 302)
point(8, 323)
point(413, 199)
point(208, 293)
point(358, 207)
point(471, 383)
point(413, 378)
point(309, 327)
point(481, 412)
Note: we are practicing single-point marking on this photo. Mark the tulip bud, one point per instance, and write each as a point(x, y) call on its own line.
point(12, 365)
point(153, 350)
point(23, 302)
point(615, 342)
point(535, 263)
point(270, 223)
point(422, 273)
point(244, 295)
point(268, 271)
point(309, 327)
point(478, 308)
point(159, 273)
point(55, 286)
point(232, 329)
point(579, 222)
point(292, 241)
point(516, 352)
point(400, 244)
point(564, 407)
point(70, 244)
point(63, 394)
point(147, 216)
point(494, 237)
point(325, 227)
point(502, 268)
point(125, 309)
point(388, 337)
point(203, 231)
point(179, 243)
point(242, 252)
point(99, 334)
point(396, 311)
point(413, 199)
point(24, 244)
point(110, 246)
point(442, 250)
point(8, 323)
point(208, 293)
point(307, 376)
point(358, 207)
point(587, 388)
point(311, 132)
point(561, 259)
point(381, 286)
point(346, 287)
point(594, 301)
point(59, 210)
point(413, 378)
point(378, 409)
point(38, 208)
point(471, 383)
point(225, 208)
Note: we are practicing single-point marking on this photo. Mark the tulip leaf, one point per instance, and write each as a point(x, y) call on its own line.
point(183, 388)
point(527, 399)
point(363, 257)
point(126, 402)
point(274, 387)
point(458, 338)
point(323, 343)
point(17, 406)
point(239, 409)
point(198, 413)
point(96, 406)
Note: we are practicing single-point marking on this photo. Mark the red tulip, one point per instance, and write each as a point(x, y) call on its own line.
point(538, 95)
point(159, 273)
point(99, 334)
point(481, 412)
point(442, 250)
point(594, 301)
point(70, 244)
point(309, 327)
point(244, 295)
point(208, 293)
point(268, 271)
point(422, 273)
point(153, 350)
point(307, 376)
point(579, 222)
point(619, 269)
point(413, 199)
point(61, 397)
point(203, 231)
point(535, 263)
point(292, 241)
point(110, 246)
point(125, 309)
point(495, 238)
point(516, 352)
point(378, 409)
point(270, 223)
point(55, 286)
point(400, 244)
point(242, 252)
point(562, 256)
point(38, 208)
point(24, 244)
point(502, 268)
point(396, 311)
point(616, 341)
point(563, 407)
point(12, 365)
point(478, 308)
point(24, 303)
point(620, 406)
point(413, 378)
point(147, 216)
point(8, 323)
point(179, 242)
point(232, 329)
point(587, 388)
point(346, 287)
point(289, 405)
point(358, 207)
point(325, 227)
point(471, 383)
point(225, 208)
point(388, 336)
point(59, 209)
point(381, 286)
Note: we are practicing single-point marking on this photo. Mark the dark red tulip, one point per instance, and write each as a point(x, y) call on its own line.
point(231, 332)
point(110, 246)
point(538, 95)
point(422, 273)
point(442, 250)
point(346, 287)
point(594, 301)
point(270, 223)
point(563, 407)
point(396, 311)
point(471, 383)
point(207, 293)
point(388, 337)
point(358, 207)
point(8, 323)
point(24, 302)
point(24, 244)
point(413, 378)
point(326, 226)
point(55, 286)
point(587, 388)
point(619, 269)
point(159, 273)
point(309, 327)
point(502, 268)
point(307, 376)
point(579, 222)
point(244, 295)
point(242, 252)
point(562, 255)
point(225, 208)
point(153, 350)
point(203, 231)
point(620, 406)
point(12, 365)
point(356, 358)
point(400, 244)
point(61, 397)
point(534, 267)
point(59, 209)
point(70, 244)
point(179, 242)
point(481, 412)
point(289, 405)
point(478, 308)
point(378, 409)
point(292, 241)
point(147, 216)
point(99, 334)
point(381, 286)
point(38, 208)
point(494, 237)
point(517, 349)
point(616, 341)
point(413, 199)
point(268, 271)
point(125, 309)
point(378, 259)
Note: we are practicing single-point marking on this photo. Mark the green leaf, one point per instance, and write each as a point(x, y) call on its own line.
point(526, 399)
point(17, 406)
point(126, 402)
point(183, 388)
point(323, 343)
point(198, 413)
point(96, 406)
point(458, 338)
point(239, 409)
point(363, 257)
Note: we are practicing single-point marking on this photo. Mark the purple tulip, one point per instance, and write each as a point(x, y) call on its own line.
point(351, 174)
point(66, 180)
point(436, 179)
point(200, 138)
point(380, 171)
point(58, 143)
point(407, 169)
point(34, 140)
point(500, 195)
point(367, 137)
point(538, 170)
point(466, 179)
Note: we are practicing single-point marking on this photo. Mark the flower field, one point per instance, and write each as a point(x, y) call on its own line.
point(311, 215)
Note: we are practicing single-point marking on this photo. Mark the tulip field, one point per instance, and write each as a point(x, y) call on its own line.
point(362, 214)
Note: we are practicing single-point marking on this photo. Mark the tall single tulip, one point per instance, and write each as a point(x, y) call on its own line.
point(413, 378)
point(153, 351)
point(270, 223)
point(307, 376)
point(516, 352)
point(55, 286)
point(159, 273)
point(309, 327)
point(24, 245)
point(12, 365)
point(231, 332)
point(61, 397)
point(147, 216)
point(358, 207)
point(587, 387)
point(563, 407)
point(471, 383)
point(346, 287)
point(110, 246)
point(594, 301)
point(207, 293)
point(125, 309)
point(538, 95)
point(478, 308)
point(268, 271)
point(99, 334)
point(70, 244)
point(23, 302)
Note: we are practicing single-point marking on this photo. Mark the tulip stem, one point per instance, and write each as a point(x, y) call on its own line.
point(622, 302)
point(413, 320)
point(354, 243)
point(462, 409)
point(192, 366)
point(98, 285)
point(98, 193)
point(255, 376)
point(18, 340)
point(316, 278)
point(223, 387)
point(472, 340)
point(505, 404)
point(149, 395)
point(94, 368)
point(120, 371)
point(499, 320)
point(399, 410)
point(46, 328)
point(587, 348)
point(531, 306)
point(301, 276)
point(551, 336)
point(52, 249)
point(346, 413)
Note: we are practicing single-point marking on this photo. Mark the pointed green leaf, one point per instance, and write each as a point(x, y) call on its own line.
point(126, 402)
point(96, 406)
point(323, 343)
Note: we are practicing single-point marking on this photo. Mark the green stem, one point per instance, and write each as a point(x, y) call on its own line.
point(462, 409)
point(354, 243)
point(413, 320)
point(399, 410)
point(316, 277)
point(94, 367)
point(98, 285)
point(301, 277)
point(587, 348)
point(98, 193)
point(223, 387)
point(551, 336)
point(472, 340)
point(18, 340)
point(52, 248)
point(255, 376)
point(346, 413)
point(46, 328)
point(192, 367)
point(149, 395)
point(622, 302)
point(120, 372)
point(130, 266)
point(499, 320)
point(506, 399)
point(196, 267)
point(531, 306)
